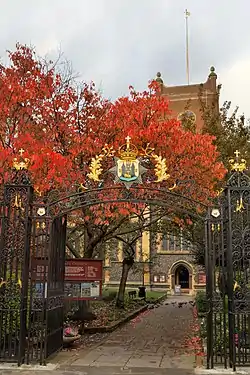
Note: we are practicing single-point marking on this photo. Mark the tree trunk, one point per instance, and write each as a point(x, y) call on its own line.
point(88, 251)
point(223, 282)
point(126, 266)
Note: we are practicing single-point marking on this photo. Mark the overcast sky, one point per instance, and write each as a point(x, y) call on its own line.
point(117, 43)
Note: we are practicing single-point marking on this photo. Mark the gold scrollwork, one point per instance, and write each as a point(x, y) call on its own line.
point(236, 286)
point(82, 188)
point(147, 151)
point(40, 225)
point(173, 187)
point(96, 168)
point(215, 227)
point(219, 192)
point(160, 168)
point(239, 205)
point(4, 282)
point(96, 163)
point(18, 202)
point(39, 193)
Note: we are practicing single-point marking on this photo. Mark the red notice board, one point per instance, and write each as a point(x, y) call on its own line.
point(202, 278)
point(83, 279)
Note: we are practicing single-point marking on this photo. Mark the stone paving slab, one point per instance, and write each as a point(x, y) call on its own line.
point(155, 340)
point(144, 361)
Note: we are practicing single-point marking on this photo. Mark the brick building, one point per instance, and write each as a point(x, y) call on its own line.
point(173, 264)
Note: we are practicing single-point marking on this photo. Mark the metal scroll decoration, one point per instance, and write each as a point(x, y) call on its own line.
point(128, 169)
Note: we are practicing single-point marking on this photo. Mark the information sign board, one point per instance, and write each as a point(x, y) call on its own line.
point(82, 280)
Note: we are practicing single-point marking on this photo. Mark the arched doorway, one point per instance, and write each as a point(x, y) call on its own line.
point(181, 273)
point(182, 277)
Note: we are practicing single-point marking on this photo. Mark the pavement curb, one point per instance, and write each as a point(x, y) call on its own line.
point(119, 323)
point(221, 371)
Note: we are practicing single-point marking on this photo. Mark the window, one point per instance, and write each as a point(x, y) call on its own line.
point(155, 278)
point(187, 118)
point(174, 243)
point(171, 243)
point(165, 242)
point(162, 278)
point(159, 278)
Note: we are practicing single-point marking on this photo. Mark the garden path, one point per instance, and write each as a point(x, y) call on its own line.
point(153, 343)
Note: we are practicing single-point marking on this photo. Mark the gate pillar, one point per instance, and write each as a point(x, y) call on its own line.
point(215, 261)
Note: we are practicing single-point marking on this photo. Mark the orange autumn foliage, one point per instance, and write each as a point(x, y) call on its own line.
point(61, 127)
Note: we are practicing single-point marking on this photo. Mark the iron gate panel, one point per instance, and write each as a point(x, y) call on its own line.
point(15, 226)
point(55, 301)
point(46, 289)
point(36, 337)
point(228, 276)
point(239, 272)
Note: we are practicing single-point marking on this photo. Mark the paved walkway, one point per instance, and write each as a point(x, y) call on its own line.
point(153, 343)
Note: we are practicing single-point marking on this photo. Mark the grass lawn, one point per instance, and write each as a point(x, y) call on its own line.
point(150, 294)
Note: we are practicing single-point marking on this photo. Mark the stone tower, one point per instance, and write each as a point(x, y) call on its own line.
point(187, 98)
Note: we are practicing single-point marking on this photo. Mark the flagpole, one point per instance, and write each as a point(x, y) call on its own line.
point(187, 14)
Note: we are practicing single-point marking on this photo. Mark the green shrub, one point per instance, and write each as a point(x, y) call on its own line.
point(110, 296)
point(201, 302)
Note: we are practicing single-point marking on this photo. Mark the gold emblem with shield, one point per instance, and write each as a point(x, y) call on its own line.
point(128, 170)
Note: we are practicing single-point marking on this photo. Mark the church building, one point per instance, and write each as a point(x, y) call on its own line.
point(172, 264)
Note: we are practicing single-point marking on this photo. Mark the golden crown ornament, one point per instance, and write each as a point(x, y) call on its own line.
point(21, 162)
point(237, 164)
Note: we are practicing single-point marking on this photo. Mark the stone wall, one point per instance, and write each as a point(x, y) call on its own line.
point(115, 271)
point(162, 269)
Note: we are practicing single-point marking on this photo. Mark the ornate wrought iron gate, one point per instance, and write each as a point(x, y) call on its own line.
point(228, 274)
point(32, 261)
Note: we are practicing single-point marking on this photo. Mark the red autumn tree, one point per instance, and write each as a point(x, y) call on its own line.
point(62, 125)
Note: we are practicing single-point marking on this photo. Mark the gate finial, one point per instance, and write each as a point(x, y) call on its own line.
point(22, 163)
point(237, 164)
